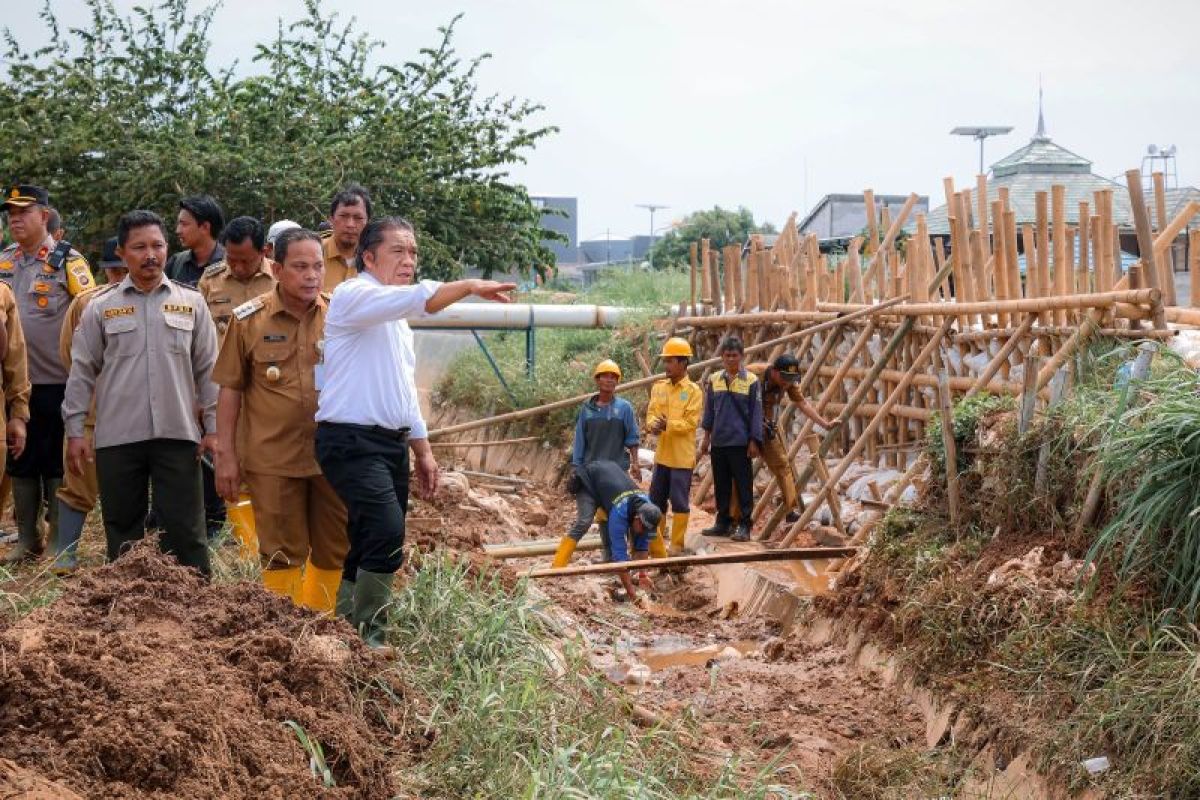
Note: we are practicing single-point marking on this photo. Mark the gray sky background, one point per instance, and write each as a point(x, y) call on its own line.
point(770, 104)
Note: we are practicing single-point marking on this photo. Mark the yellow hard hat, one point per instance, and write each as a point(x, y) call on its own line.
point(676, 346)
point(607, 365)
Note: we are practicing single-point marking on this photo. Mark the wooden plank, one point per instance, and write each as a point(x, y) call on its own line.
point(740, 557)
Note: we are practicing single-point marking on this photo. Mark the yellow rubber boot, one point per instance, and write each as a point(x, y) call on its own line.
point(319, 588)
point(658, 545)
point(562, 557)
point(284, 582)
point(679, 525)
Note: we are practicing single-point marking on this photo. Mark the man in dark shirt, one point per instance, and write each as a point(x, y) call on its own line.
point(198, 225)
point(733, 431)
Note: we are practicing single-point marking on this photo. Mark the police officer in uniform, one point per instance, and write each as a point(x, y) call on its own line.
point(14, 378)
point(44, 275)
point(79, 493)
point(269, 369)
point(145, 349)
point(243, 275)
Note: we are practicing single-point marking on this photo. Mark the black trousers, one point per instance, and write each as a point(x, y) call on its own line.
point(127, 472)
point(43, 456)
point(732, 472)
point(368, 468)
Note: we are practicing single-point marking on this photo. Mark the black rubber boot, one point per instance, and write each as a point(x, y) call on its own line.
point(27, 507)
point(344, 607)
point(372, 595)
point(742, 534)
point(717, 529)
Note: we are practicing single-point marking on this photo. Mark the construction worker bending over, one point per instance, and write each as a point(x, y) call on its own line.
point(778, 379)
point(673, 415)
point(733, 433)
point(624, 511)
point(606, 430)
point(269, 370)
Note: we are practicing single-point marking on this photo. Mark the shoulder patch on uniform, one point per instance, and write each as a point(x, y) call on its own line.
point(249, 307)
point(326, 296)
point(215, 269)
point(325, 234)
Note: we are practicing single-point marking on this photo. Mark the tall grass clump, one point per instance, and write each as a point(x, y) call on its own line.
point(1150, 461)
point(514, 716)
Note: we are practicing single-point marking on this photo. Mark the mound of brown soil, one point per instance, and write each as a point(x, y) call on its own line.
point(144, 681)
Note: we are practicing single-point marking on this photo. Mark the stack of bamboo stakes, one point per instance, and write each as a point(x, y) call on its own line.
point(1071, 290)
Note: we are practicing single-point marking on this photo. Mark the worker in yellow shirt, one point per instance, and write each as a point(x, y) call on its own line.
point(673, 415)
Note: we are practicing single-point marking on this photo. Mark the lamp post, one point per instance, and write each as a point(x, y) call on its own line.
point(651, 207)
point(981, 132)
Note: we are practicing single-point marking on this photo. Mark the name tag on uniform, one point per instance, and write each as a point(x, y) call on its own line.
point(123, 311)
point(216, 300)
point(176, 308)
point(319, 376)
point(273, 338)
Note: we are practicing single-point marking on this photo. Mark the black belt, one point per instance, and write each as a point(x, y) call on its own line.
point(401, 433)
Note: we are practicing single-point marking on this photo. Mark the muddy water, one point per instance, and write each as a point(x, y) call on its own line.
point(659, 657)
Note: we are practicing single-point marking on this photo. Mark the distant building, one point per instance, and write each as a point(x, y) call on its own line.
point(838, 218)
point(566, 223)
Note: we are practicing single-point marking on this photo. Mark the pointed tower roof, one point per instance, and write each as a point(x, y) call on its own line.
point(1041, 155)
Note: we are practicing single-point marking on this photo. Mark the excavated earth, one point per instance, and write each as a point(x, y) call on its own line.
point(143, 681)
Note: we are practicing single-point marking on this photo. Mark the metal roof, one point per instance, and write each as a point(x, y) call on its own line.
point(1041, 155)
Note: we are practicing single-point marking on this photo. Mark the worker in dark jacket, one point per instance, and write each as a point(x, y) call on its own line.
point(732, 423)
point(624, 511)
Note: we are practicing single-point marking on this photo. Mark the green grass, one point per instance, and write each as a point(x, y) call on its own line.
point(565, 357)
point(513, 714)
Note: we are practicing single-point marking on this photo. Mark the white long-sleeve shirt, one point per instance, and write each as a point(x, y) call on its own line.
point(370, 365)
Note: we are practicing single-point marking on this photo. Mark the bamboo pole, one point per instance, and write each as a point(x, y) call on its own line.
point(1166, 268)
point(892, 400)
point(981, 197)
point(1141, 222)
point(1194, 267)
point(872, 221)
point(957, 383)
point(1104, 239)
point(707, 293)
point(692, 254)
point(1010, 255)
point(739, 557)
point(1058, 205)
point(1000, 254)
point(1055, 331)
point(835, 508)
point(1082, 284)
point(1043, 250)
point(542, 547)
point(714, 280)
point(951, 451)
point(1039, 305)
point(487, 443)
point(1029, 395)
point(642, 383)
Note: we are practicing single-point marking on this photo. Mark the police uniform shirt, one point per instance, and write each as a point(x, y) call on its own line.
point(273, 357)
point(224, 292)
point(337, 270)
point(43, 293)
point(148, 357)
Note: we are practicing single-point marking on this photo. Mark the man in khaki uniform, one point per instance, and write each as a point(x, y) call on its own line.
point(244, 274)
point(145, 350)
point(349, 213)
point(44, 275)
point(269, 371)
point(778, 379)
point(79, 493)
point(15, 377)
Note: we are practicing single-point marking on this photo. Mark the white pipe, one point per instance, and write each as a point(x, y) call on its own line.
point(520, 316)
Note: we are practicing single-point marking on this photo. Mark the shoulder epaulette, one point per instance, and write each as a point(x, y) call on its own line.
point(249, 307)
point(214, 269)
point(325, 234)
point(327, 296)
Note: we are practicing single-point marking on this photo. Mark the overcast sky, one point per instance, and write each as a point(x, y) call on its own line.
point(695, 103)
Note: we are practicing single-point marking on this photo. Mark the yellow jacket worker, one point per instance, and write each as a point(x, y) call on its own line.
point(673, 415)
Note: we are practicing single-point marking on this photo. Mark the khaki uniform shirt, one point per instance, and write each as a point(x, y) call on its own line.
point(12, 369)
point(43, 294)
point(272, 358)
point(772, 397)
point(148, 358)
point(336, 268)
point(223, 292)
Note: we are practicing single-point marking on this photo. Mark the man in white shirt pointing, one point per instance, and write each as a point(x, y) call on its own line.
point(368, 413)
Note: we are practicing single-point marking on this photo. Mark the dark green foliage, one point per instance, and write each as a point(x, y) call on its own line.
point(719, 226)
point(128, 112)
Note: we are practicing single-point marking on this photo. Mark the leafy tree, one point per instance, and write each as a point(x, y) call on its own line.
point(719, 226)
point(127, 112)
